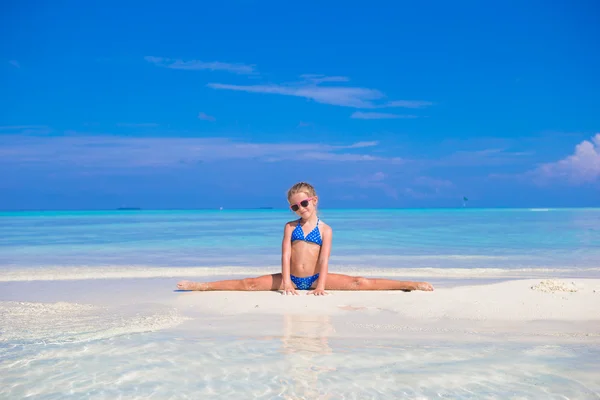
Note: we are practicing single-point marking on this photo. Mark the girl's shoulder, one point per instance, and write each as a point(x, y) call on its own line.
point(324, 227)
point(292, 223)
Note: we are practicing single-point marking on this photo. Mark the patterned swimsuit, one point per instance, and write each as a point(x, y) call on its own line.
point(304, 283)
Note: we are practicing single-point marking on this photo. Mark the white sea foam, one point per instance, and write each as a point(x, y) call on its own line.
point(60, 273)
point(395, 257)
point(62, 322)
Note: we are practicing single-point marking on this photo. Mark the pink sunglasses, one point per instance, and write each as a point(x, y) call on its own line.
point(303, 203)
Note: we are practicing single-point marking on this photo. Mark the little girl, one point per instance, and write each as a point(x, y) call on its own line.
point(305, 258)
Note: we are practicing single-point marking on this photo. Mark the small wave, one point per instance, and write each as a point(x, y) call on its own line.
point(138, 272)
point(58, 323)
point(460, 257)
point(539, 209)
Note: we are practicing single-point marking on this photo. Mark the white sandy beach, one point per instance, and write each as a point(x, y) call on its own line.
point(542, 307)
point(149, 320)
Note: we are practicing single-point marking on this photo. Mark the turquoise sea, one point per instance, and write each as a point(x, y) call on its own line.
point(64, 335)
point(444, 242)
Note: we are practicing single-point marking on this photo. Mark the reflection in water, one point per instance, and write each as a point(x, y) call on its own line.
point(307, 334)
point(304, 344)
point(306, 359)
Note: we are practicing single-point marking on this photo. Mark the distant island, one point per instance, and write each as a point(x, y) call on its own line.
point(128, 208)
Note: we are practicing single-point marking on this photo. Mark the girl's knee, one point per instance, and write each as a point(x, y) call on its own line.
point(360, 282)
point(249, 284)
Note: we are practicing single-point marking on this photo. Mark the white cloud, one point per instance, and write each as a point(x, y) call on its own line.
point(409, 104)
point(21, 127)
point(322, 78)
point(346, 96)
point(485, 157)
point(376, 115)
point(583, 166)
point(31, 130)
point(326, 156)
point(339, 96)
point(140, 125)
point(118, 152)
point(14, 63)
point(241, 69)
point(206, 117)
point(425, 187)
point(434, 183)
point(375, 180)
point(363, 144)
point(378, 177)
point(415, 194)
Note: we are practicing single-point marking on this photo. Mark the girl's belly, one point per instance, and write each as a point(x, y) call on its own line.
point(304, 259)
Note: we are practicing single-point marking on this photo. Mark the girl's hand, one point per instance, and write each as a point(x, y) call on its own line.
point(288, 288)
point(318, 292)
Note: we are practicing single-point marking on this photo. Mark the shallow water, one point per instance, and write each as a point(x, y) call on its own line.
point(306, 360)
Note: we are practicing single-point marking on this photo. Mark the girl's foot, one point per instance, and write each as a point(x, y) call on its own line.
point(424, 286)
point(189, 285)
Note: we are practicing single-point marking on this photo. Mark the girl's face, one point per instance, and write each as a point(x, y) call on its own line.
point(303, 204)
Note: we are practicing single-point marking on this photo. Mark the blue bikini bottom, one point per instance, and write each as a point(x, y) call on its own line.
point(304, 283)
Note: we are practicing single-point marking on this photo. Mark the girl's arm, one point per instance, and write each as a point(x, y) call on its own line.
point(286, 256)
point(323, 262)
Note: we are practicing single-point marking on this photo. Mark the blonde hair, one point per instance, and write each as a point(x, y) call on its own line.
point(302, 187)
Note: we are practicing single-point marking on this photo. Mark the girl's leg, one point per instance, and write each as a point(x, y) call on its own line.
point(345, 282)
point(262, 283)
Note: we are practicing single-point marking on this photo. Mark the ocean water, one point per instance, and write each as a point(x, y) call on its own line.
point(505, 242)
point(52, 348)
point(307, 361)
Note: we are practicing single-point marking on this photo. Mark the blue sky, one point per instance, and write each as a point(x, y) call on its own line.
point(379, 104)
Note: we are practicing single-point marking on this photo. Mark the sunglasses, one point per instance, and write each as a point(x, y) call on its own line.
point(303, 203)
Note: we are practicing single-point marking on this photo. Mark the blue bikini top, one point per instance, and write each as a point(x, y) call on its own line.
point(314, 236)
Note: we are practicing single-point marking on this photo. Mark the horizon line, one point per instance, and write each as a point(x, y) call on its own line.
point(136, 209)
